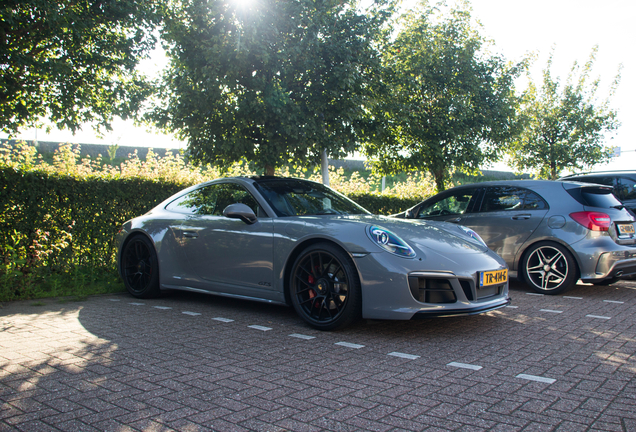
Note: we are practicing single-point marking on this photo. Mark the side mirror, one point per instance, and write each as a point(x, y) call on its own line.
point(240, 211)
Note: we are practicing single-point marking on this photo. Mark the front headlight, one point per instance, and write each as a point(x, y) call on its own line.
point(390, 242)
point(472, 233)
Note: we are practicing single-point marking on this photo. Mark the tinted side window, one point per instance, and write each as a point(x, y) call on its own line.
point(607, 181)
point(532, 201)
point(456, 204)
point(626, 188)
point(502, 198)
point(510, 198)
point(212, 200)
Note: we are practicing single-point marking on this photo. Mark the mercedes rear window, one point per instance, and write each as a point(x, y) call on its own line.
point(595, 197)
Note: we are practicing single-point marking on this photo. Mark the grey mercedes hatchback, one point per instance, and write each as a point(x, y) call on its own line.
point(550, 233)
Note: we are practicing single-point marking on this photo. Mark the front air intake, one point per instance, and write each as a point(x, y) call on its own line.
point(432, 290)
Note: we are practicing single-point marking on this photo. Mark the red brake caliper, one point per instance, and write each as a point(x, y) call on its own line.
point(311, 281)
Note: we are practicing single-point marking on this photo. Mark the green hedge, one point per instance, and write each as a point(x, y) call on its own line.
point(55, 224)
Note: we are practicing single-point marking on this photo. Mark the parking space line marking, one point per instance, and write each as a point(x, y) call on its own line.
point(349, 345)
point(114, 300)
point(465, 366)
point(535, 294)
point(536, 378)
point(574, 298)
point(512, 307)
point(162, 307)
point(137, 304)
point(191, 313)
point(613, 301)
point(302, 336)
point(598, 317)
point(404, 355)
point(550, 310)
point(225, 320)
point(261, 328)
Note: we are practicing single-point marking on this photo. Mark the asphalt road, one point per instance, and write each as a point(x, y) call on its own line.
point(188, 362)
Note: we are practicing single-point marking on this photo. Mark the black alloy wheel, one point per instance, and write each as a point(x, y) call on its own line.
point(140, 268)
point(325, 288)
point(549, 268)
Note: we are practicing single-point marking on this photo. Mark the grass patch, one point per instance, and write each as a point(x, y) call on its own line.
point(75, 286)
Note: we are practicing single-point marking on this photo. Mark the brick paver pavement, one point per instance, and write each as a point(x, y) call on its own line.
point(188, 362)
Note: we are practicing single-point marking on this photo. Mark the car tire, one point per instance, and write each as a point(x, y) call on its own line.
point(325, 287)
point(549, 268)
point(140, 267)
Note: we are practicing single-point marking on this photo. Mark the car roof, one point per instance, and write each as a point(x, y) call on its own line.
point(539, 186)
point(600, 173)
point(520, 183)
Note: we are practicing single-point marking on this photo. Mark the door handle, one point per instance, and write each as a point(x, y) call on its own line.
point(521, 217)
point(190, 234)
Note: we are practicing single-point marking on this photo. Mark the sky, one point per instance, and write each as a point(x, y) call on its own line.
point(573, 28)
point(569, 27)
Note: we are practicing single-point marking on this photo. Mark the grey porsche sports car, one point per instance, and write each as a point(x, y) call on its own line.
point(297, 242)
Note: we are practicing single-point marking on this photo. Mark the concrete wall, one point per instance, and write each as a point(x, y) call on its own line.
point(93, 150)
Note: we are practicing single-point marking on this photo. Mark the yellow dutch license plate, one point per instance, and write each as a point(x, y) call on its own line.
point(493, 277)
point(625, 228)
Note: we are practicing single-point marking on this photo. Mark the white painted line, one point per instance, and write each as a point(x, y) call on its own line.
point(536, 378)
point(114, 300)
point(261, 328)
point(403, 355)
point(574, 298)
point(302, 336)
point(225, 320)
point(614, 301)
point(162, 307)
point(137, 304)
point(191, 313)
point(465, 366)
point(350, 345)
point(512, 307)
point(550, 310)
point(535, 294)
point(598, 317)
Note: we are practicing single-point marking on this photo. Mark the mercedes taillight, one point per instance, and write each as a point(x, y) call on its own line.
point(595, 221)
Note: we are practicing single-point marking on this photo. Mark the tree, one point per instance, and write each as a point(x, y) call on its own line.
point(564, 126)
point(450, 103)
point(271, 82)
point(73, 61)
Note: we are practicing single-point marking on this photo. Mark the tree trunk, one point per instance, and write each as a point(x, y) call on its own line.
point(269, 170)
point(440, 180)
point(324, 167)
point(553, 171)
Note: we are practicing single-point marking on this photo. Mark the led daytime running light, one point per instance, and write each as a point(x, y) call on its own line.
point(390, 242)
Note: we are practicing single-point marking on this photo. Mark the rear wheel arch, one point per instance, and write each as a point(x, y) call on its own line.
point(522, 253)
point(531, 258)
point(152, 289)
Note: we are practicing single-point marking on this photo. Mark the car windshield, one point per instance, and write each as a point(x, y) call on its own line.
point(289, 197)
